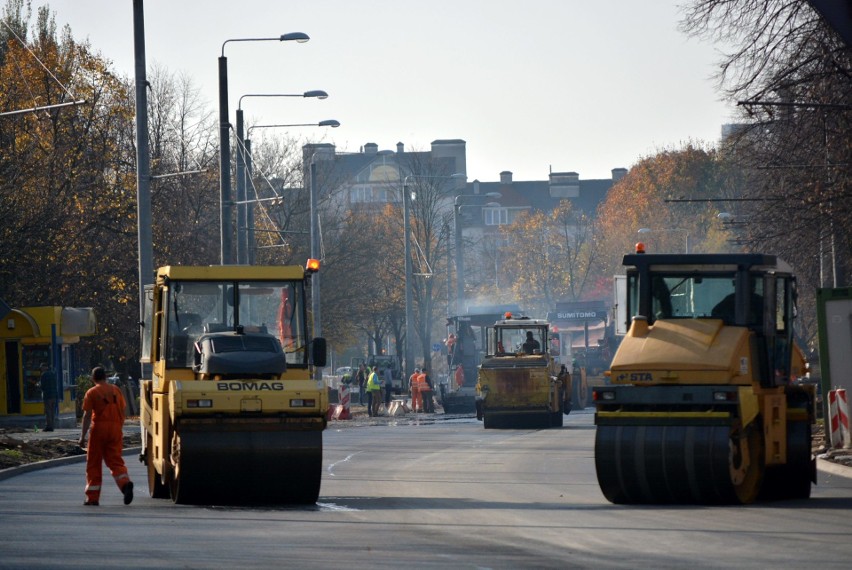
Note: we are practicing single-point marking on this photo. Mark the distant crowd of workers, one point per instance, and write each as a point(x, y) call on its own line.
point(377, 385)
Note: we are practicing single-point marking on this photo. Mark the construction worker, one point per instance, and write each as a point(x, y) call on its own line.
point(564, 378)
point(422, 387)
point(426, 393)
point(414, 388)
point(459, 376)
point(103, 411)
point(374, 392)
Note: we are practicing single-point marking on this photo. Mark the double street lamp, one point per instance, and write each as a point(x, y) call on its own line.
point(224, 142)
point(684, 230)
point(242, 221)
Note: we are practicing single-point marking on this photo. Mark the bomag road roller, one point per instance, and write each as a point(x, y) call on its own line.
point(231, 413)
point(518, 385)
point(701, 407)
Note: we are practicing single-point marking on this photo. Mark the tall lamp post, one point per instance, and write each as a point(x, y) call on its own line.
point(249, 224)
point(225, 146)
point(457, 206)
point(409, 301)
point(242, 238)
point(684, 230)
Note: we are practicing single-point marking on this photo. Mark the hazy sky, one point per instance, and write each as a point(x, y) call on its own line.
point(531, 85)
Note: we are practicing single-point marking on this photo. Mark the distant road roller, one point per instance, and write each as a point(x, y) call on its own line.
point(701, 406)
point(519, 385)
point(231, 413)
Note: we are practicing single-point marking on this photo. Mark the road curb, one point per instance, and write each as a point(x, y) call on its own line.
point(834, 468)
point(39, 465)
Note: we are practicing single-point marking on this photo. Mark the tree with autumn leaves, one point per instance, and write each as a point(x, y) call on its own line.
point(67, 184)
point(566, 255)
point(550, 257)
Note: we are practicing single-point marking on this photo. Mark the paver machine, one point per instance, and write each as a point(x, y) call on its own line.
point(702, 407)
point(519, 384)
point(232, 413)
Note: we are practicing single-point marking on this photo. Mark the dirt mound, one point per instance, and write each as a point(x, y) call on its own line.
point(16, 449)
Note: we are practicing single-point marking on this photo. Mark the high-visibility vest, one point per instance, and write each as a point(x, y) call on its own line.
point(373, 383)
point(421, 382)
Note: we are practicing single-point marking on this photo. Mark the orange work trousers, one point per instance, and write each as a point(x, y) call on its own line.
point(416, 400)
point(105, 446)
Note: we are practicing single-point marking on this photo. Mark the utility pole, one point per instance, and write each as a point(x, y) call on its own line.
point(143, 173)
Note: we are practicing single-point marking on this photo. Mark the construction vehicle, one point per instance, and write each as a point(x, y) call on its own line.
point(466, 352)
point(519, 383)
point(232, 413)
point(702, 406)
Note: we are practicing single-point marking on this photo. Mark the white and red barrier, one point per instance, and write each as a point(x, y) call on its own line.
point(341, 412)
point(838, 414)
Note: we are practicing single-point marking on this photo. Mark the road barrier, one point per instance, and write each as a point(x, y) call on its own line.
point(341, 412)
point(838, 411)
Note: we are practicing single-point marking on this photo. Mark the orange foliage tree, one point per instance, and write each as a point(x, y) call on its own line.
point(673, 193)
point(550, 257)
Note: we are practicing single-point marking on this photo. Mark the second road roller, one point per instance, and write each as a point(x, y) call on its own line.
point(231, 413)
point(702, 405)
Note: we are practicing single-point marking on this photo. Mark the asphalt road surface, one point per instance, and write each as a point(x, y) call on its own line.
point(439, 494)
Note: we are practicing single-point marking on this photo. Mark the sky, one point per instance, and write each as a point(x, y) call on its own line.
point(532, 86)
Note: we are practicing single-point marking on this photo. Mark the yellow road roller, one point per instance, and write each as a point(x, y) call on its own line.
point(232, 413)
point(519, 385)
point(702, 405)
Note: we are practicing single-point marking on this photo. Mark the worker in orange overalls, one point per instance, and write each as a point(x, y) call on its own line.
point(414, 388)
point(103, 410)
point(422, 388)
point(459, 376)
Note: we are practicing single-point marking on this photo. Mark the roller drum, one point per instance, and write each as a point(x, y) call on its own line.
point(235, 466)
point(674, 464)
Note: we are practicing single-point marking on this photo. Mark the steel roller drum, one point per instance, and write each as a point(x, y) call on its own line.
point(676, 464)
point(246, 463)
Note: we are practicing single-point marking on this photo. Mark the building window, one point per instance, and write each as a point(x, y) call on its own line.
point(360, 194)
point(496, 216)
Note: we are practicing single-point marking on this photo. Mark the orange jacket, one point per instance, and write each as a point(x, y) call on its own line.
point(106, 403)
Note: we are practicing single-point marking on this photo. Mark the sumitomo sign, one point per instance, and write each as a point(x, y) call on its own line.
point(577, 315)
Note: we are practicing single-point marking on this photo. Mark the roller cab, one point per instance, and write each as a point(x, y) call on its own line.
point(231, 413)
point(517, 384)
point(701, 406)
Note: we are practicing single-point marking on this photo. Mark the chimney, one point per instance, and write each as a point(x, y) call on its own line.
point(400, 148)
point(564, 185)
point(618, 174)
point(476, 186)
point(371, 148)
point(506, 177)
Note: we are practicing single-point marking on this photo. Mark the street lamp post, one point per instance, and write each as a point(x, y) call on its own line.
point(656, 230)
point(249, 216)
point(409, 301)
point(457, 206)
point(242, 237)
point(225, 229)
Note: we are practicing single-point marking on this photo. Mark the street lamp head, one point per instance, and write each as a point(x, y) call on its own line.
point(644, 231)
point(725, 216)
point(318, 93)
point(329, 123)
point(295, 36)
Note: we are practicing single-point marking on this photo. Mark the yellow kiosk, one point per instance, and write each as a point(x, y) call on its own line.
point(28, 337)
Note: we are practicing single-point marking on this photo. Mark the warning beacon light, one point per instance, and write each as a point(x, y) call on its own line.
point(312, 266)
point(508, 315)
point(640, 247)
